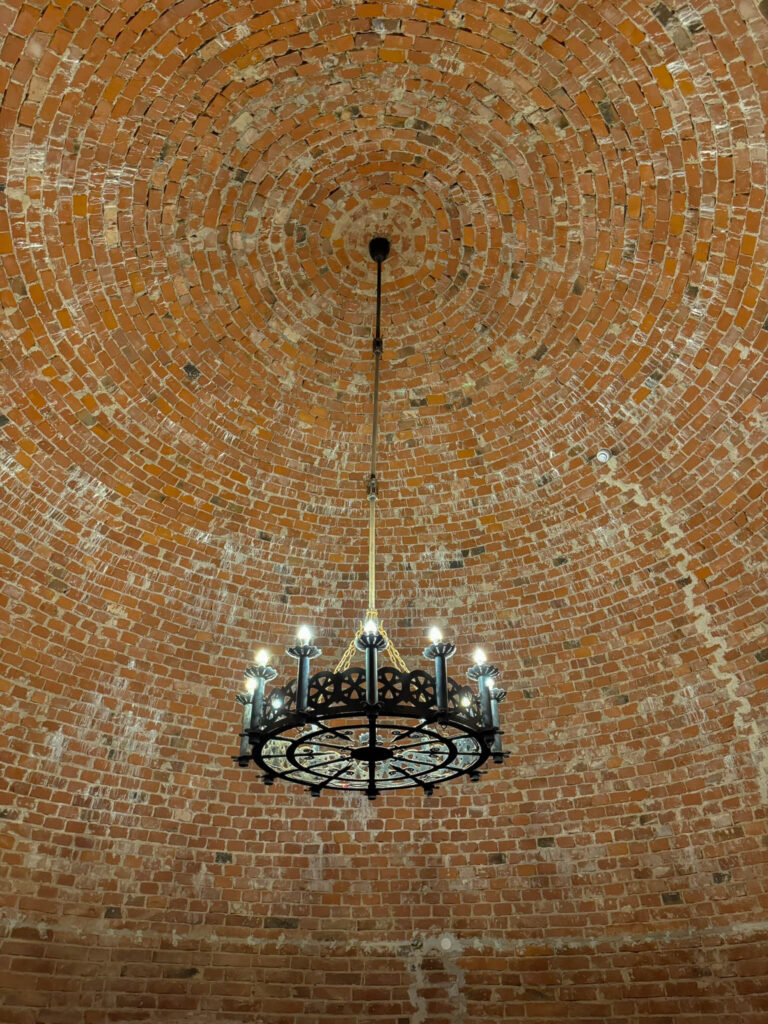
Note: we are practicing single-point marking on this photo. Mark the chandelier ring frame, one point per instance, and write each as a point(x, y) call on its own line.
point(344, 742)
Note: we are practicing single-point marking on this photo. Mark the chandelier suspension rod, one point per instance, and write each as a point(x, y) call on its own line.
point(379, 250)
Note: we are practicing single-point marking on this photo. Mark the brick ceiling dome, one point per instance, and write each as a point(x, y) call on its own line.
point(575, 195)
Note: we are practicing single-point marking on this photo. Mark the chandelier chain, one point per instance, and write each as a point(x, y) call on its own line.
point(346, 658)
point(391, 651)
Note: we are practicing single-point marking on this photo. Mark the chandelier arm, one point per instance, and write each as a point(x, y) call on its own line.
point(337, 760)
point(412, 761)
point(412, 746)
point(331, 778)
point(407, 775)
point(407, 732)
point(331, 746)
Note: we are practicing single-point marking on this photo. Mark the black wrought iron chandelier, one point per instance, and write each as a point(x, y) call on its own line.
point(375, 727)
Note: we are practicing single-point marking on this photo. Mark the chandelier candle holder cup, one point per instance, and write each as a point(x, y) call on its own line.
point(370, 728)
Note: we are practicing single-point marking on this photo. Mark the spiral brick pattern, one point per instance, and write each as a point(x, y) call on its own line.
point(575, 194)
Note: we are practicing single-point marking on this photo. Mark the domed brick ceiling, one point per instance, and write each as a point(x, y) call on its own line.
point(575, 196)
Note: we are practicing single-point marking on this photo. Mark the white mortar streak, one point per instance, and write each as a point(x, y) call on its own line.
point(552, 946)
point(701, 619)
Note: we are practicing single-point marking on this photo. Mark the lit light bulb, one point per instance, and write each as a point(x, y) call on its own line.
point(304, 635)
point(371, 626)
point(250, 685)
point(479, 656)
point(262, 657)
point(465, 702)
point(435, 636)
point(276, 702)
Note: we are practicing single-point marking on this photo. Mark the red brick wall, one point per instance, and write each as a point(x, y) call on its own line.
point(576, 196)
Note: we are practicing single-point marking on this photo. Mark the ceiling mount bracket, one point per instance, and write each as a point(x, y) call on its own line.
point(379, 249)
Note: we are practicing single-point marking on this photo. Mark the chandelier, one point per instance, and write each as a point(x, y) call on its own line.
point(370, 728)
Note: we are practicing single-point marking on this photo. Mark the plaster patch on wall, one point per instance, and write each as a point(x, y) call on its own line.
point(414, 963)
point(56, 743)
point(447, 948)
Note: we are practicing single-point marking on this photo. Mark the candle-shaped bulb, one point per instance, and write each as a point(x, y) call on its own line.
point(479, 656)
point(371, 626)
point(435, 636)
point(262, 657)
point(304, 634)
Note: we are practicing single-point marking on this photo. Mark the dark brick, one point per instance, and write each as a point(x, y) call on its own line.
point(607, 112)
point(286, 923)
